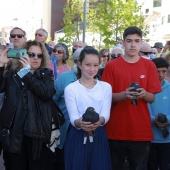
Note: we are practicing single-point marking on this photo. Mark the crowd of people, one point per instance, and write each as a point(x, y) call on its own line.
point(115, 104)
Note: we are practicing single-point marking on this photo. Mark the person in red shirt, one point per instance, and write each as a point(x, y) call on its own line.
point(129, 128)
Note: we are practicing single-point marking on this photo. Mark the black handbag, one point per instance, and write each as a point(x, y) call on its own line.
point(57, 115)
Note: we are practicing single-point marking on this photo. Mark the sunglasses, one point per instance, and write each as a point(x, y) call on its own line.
point(18, 35)
point(153, 53)
point(146, 53)
point(32, 55)
point(104, 56)
point(113, 56)
point(58, 51)
point(40, 35)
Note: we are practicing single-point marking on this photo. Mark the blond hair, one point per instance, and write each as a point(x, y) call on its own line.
point(16, 65)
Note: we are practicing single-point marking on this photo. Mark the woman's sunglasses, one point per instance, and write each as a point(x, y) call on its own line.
point(18, 35)
point(40, 35)
point(104, 56)
point(32, 55)
point(58, 51)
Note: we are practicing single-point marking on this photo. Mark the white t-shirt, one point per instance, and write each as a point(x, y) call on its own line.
point(78, 98)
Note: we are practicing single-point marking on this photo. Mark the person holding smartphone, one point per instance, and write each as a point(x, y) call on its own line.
point(26, 114)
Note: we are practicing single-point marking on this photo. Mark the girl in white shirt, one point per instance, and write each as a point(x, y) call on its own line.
point(82, 151)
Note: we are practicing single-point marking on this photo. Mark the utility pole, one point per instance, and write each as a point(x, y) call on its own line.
point(84, 21)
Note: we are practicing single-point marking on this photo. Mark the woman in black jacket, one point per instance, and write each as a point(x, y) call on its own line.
point(26, 114)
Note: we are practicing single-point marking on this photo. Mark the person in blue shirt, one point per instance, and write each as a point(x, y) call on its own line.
point(60, 83)
point(159, 156)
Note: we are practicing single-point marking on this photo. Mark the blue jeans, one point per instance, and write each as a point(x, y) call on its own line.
point(132, 155)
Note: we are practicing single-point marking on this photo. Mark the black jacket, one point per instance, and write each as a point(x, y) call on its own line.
point(49, 49)
point(27, 106)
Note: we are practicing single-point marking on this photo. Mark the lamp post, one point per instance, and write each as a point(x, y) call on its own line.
point(84, 20)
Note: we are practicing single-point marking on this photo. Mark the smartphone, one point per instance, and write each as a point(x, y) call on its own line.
point(16, 53)
point(11, 45)
point(168, 42)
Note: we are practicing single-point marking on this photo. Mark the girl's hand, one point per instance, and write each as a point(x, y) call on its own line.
point(96, 125)
point(86, 126)
point(25, 61)
point(3, 58)
point(99, 123)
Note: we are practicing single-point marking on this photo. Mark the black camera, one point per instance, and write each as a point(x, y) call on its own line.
point(161, 118)
point(135, 86)
point(90, 115)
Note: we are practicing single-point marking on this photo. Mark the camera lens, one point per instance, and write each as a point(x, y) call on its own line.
point(18, 55)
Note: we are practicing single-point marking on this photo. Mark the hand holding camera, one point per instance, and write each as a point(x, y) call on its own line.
point(25, 61)
point(3, 58)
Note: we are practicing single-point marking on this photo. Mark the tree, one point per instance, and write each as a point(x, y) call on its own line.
point(107, 18)
point(115, 16)
point(73, 15)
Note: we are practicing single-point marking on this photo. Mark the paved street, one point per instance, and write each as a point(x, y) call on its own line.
point(1, 163)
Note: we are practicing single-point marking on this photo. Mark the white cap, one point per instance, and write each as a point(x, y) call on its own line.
point(76, 54)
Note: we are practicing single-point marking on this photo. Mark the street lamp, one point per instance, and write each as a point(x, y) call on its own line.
point(84, 20)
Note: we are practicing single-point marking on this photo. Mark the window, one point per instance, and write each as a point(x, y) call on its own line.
point(157, 3)
point(163, 20)
point(169, 18)
point(146, 11)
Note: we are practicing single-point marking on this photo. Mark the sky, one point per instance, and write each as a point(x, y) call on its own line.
point(21, 9)
point(26, 14)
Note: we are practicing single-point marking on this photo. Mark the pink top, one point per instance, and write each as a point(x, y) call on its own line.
point(60, 69)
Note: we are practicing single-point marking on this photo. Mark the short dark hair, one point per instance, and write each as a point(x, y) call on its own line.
point(87, 50)
point(132, 30)
point(17, 28)
point(160, 62)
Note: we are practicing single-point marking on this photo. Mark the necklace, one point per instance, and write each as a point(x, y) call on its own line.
point(87, 85)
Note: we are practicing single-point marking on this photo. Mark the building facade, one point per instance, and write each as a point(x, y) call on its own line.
point(158, 19)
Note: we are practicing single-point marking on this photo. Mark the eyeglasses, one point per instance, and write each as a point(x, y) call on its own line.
point(104, 56)
point(113, 56)
point(18, 35)
point(40, 35)
point(32, 55)
point(58, 51)
point(153, 53)
point(146, 53)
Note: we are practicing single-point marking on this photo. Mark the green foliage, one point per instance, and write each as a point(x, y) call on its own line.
point(73, 15)
point(115, 16)
point(108, 18)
